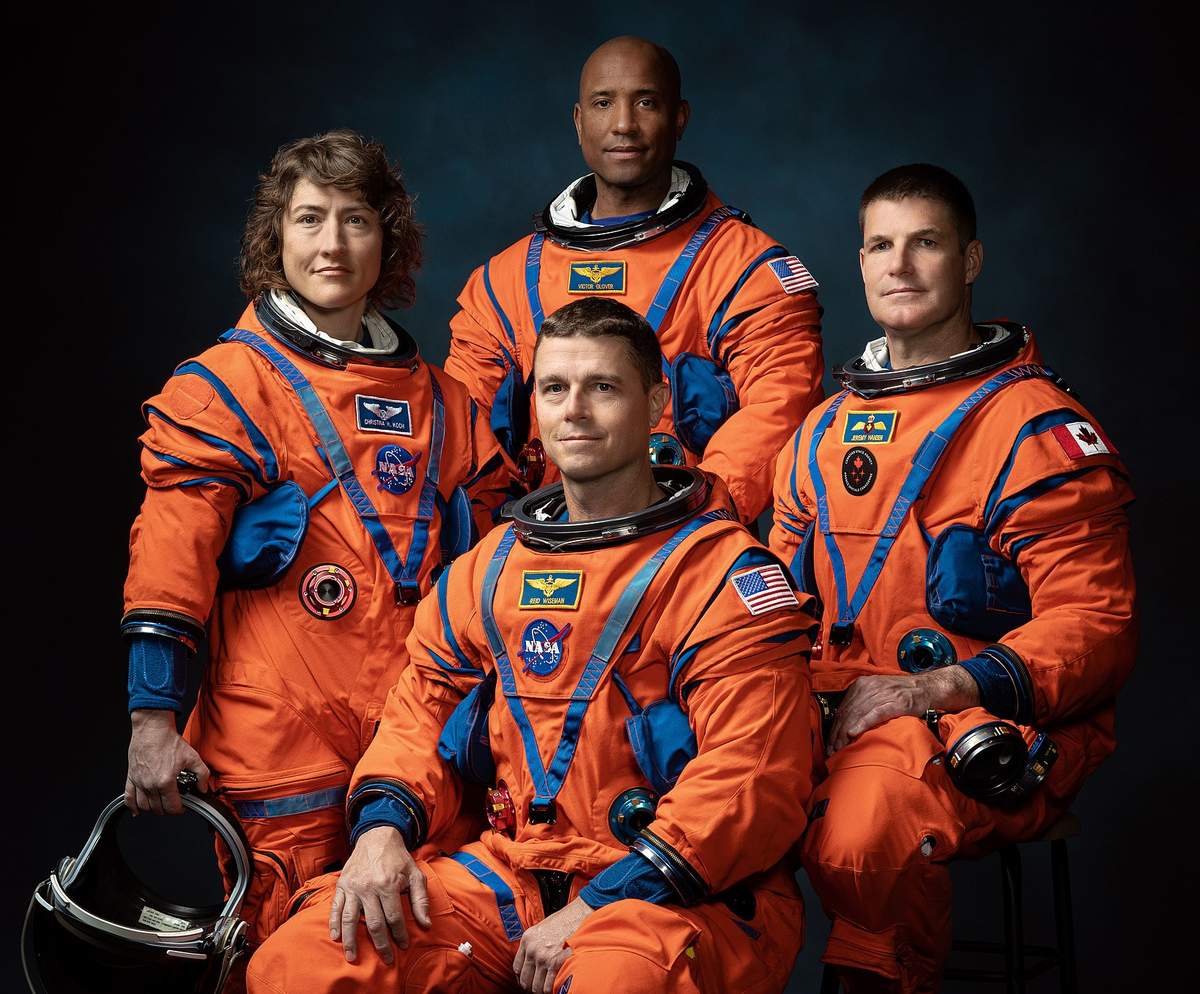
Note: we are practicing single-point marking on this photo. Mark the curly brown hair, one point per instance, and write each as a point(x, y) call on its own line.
point(346, 160)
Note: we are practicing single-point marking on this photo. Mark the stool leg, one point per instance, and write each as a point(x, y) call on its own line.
point(829, 980)
point(1063, 923)
point(1014, 932)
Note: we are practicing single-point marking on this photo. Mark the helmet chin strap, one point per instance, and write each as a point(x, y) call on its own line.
point(538, 518)
point(1003, 342)
point(283, 316)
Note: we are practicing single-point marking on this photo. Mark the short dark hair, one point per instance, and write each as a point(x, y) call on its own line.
point(920, 179)
point(348, 161)
point(596, 317)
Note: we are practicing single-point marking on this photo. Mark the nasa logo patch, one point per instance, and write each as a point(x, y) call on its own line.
point(395, 469)
point(543, 647)
point(869, 427)
point(859, 470)
point(550, 589)
point(599, 276)
point(565, 985)
point(382, 414)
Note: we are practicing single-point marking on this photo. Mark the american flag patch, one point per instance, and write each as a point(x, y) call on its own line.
point(764, 588)
point(792, 275)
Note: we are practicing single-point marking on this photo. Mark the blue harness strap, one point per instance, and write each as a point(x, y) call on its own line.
point(548, 782)
point(664, 297)
point(506, 903)
point(403, 574)
point(924, 461)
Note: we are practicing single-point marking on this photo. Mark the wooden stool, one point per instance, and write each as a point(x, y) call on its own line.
point(1014, 950)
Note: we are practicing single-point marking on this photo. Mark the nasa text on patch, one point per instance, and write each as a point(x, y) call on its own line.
point(599, 276)
point(764, 588)
point(869, 427)
point(554, 588)
point(383, 414)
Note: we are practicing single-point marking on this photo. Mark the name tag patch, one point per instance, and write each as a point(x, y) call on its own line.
point(602, 276)
point(383, 414)
point(550, 589)
point(869, 427)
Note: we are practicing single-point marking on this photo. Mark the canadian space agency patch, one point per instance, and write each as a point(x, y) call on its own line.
point(859, 470)
point(383, 414)
point(601, 276)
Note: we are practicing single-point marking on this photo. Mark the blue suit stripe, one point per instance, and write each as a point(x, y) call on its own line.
point(668, 290)
point(1034, 426)
point(506, 903)
point(718, 327)
point(257, 438)
point(533, 273)
point(281, 807)
point(1006, 507)
point(487, 285)
point(243, 459)
point(442, 588)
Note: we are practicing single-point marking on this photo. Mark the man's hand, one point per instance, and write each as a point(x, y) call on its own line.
point(378, 871)
point(157, 755)
point(544, 947)
point(872, 700)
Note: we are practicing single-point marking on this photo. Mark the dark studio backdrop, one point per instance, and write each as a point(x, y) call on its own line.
point(139, 140)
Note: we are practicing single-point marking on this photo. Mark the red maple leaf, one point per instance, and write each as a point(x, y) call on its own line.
point(1087, 436)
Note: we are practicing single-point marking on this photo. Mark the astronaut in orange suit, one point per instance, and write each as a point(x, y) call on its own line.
point(960, 516)
point(306, 479)
point(625, 668)
point(736, 314)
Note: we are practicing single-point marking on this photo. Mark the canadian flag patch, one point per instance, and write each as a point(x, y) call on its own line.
point(1080, 439)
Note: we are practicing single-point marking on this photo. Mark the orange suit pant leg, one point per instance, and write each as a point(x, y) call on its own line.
point(301, 958)
point(886, 821)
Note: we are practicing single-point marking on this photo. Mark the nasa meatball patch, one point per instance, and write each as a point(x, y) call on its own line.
point(396, 469)
point(543, 647)
point(859, 470)
point(383, 414)
point(1079, 439)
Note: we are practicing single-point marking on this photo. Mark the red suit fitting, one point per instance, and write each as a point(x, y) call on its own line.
point(733, 298)
point(1031, 476)
point(726, 823)
point(297, 670)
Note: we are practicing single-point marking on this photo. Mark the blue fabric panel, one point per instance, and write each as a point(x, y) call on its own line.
point(487, 285)
point(264, 538)
point(257, 438)
point(385, 811)
point(718, 327)
point(1006, 507)
point(663, 743)
point(972, 590)
point(157, 673)
point(612, 222)
point(419, 537)
point(505, 902)
point(465, 742)
point(702, 399)
point(631, 877)
point(1004, 685)
point(443, 583)
point(281, 807)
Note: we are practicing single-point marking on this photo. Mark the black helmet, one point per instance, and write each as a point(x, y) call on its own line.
point(95, 925)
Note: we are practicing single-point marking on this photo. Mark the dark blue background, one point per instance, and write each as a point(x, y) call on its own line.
point(138, 141)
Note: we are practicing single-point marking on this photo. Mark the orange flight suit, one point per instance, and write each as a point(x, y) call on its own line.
point(743, 304)
point(732, 815)
point(1030, 471)
point(294, 687)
